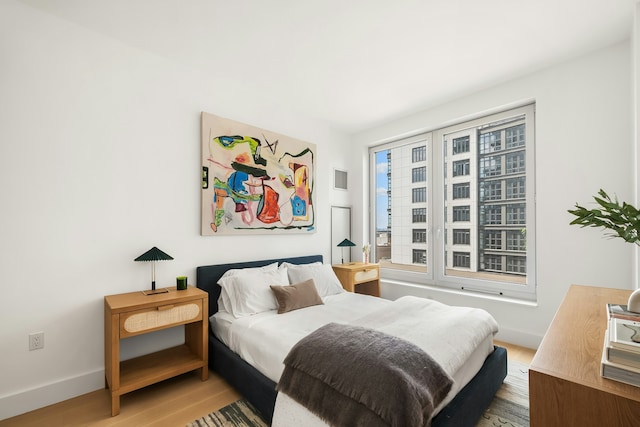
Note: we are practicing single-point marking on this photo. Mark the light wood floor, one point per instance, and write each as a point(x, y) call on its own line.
point(174, 402)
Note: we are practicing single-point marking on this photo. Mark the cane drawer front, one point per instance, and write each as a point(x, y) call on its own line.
point(365, 275)
point(159, 317)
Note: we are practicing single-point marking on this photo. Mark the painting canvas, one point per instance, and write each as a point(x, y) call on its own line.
point(255, 180)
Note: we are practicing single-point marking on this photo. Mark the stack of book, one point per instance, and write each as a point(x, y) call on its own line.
point(621, 352)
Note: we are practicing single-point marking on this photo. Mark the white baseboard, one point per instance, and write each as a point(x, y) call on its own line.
point(521, 338)
point(48, 394)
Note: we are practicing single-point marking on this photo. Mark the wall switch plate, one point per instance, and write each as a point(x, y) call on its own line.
point(36, 341)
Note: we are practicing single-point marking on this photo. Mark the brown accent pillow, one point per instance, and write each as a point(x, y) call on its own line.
point(293, 297)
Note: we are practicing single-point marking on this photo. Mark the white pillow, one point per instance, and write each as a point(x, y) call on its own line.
point(223, 300)
point(325, 279)
point(250, 292)
point(289, 265)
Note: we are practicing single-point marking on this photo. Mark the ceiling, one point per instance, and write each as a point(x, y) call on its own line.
point(355, 64)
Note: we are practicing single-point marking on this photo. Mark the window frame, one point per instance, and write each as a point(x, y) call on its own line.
point(435, 274)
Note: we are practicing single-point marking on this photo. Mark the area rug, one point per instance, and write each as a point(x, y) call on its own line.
point(237, 414)
point(509, 408)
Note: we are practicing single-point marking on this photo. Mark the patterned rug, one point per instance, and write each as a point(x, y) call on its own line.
point(509, 408)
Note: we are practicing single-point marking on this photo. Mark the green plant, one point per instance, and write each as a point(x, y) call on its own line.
point(622, 219)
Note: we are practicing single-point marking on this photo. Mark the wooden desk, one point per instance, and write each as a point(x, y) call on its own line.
point(127, 315)
point(565, 385)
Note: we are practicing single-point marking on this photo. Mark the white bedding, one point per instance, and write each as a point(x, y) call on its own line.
point(264, 339)
point(448, 334)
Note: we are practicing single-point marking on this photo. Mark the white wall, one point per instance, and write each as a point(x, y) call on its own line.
point(583, 143)
point(100, 161)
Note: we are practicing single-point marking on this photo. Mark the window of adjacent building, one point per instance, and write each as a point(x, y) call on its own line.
point(419, 256)
point(419, 154)
point(461, 259)
point(515, 162)
point(461, 213)
point(419, 235)
point(419, 174)
point(461, 145)
point(419, 215)
point(419, 195)
point(461, 167)
point(461, 191)
point(475, 196)
point(461, 237)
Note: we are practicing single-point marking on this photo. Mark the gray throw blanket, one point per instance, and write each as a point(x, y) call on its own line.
point(354, 376)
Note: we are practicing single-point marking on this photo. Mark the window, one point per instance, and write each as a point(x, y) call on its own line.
point(493, 240)
point(461, 191)
point(516, 264)
point(418, 195)
point(489, 142)
point(419, 174)
point(461, 145)
point(515, 162)
point(461, 237)
point(461, 259)
point(491, 214)
point(490, 190)
point(516, 214)
point(419, 215)
point(419, 154)
point(516, 188)
point(419, 235)
point(514, 136)
point(476, 180)
point(419, 256)
point(461, 213)
point(461, 167)
point(516, 240)
point(490, 166)
point(492, 262)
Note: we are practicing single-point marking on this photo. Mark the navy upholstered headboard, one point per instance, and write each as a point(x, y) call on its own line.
point(207, 276)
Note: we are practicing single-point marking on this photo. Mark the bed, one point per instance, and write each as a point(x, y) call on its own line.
point(258, 385)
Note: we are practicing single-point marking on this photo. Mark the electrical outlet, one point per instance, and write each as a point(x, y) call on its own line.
point(36, 341)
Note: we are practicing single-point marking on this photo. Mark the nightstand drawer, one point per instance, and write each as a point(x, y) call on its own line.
point(141, 321)
point(365, 275)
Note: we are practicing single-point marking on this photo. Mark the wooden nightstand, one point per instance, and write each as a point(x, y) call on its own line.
point(359, 277)
point(130, 314)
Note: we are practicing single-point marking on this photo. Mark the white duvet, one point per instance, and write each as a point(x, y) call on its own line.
point(264, 339)
point(458, 338)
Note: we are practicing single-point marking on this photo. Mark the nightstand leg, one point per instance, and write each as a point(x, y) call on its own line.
point(115, 404)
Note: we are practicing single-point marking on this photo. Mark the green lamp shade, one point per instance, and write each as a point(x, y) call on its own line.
point(346, 242)
point(154, 254)
point(343, 244)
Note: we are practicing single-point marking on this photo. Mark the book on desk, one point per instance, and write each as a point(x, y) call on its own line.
point(620, 311)
point(621, 350)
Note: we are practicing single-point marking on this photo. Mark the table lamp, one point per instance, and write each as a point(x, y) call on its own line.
point(345, 243)
point(154, 254)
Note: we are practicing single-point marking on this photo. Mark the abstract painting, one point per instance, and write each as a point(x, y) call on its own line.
point(255, 180)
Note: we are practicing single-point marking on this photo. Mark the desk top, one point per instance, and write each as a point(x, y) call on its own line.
point(572, 347)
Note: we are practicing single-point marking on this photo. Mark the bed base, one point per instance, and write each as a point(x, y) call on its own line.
point(463, 411)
